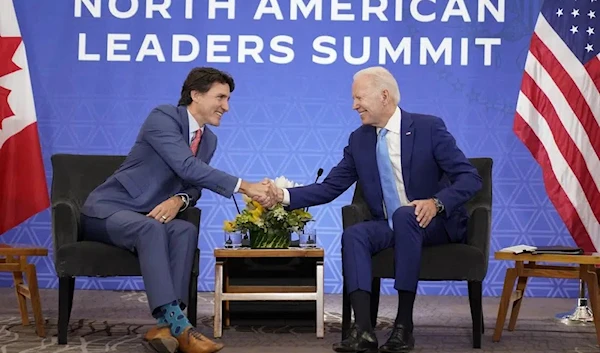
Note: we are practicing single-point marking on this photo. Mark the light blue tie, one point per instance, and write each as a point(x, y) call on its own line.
point(386, 176)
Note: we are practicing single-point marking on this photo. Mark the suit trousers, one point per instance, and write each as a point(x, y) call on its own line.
point(165, 251)
point(365, 239)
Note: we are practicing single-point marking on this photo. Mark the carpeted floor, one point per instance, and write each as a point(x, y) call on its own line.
point(106, 321)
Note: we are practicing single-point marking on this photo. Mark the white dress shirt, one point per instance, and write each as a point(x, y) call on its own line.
point(393, 140)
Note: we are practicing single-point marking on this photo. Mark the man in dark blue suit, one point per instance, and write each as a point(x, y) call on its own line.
point(164, 173)
point(415, 181)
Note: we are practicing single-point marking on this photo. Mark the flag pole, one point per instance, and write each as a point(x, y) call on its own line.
point(582, 315)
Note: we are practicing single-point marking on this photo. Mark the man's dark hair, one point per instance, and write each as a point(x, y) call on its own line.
point(201, 79)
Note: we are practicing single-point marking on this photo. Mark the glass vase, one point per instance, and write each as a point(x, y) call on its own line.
point(270, 239)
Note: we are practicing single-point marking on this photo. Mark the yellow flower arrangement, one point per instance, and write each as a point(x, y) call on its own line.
point(268, 228)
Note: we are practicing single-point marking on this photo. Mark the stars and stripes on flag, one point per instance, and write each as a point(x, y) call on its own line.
point(558, 112)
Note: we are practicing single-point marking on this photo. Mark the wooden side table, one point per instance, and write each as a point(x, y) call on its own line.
point(225, 292)
point(14, 259)
point(526, 265)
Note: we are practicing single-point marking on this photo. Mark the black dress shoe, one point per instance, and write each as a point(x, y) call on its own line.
point(357, 341)
point(401, 340)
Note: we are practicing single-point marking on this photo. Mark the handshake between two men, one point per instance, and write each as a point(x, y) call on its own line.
point(264, 192)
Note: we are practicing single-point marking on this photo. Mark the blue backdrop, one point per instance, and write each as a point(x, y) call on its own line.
point(98, 69)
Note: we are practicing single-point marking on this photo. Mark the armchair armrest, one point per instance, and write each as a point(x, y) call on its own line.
point(355, 213)
point(192, 215)
point(65, 223)
point(479, 229)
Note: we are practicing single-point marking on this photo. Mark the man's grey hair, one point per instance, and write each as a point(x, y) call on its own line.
point(382, 79)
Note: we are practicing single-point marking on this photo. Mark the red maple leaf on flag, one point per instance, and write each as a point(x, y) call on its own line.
point(8, 47)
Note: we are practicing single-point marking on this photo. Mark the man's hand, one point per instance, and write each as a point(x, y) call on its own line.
point(425, 210)
point(261, 192)
point(166, 210)
point(274, 190)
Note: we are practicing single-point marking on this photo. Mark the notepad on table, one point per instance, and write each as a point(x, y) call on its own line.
point(553, 249)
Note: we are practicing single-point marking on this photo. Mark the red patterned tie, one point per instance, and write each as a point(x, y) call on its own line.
point(196, 141)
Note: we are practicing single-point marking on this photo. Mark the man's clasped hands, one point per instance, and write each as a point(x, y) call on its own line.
point(265, 192)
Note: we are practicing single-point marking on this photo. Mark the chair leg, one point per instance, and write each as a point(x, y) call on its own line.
point(71, 294)
point(192, 309)
point(475, 301)
point(66, 287)
point(346, 313)
point(482, 324)
point(375, 293)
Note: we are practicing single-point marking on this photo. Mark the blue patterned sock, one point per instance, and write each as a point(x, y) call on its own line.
point(174, 317)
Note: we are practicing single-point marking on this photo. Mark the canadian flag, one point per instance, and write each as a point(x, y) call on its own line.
point(23, 190)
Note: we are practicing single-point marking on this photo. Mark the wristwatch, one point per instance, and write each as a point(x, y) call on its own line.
point(184, 199)
point(439, 205)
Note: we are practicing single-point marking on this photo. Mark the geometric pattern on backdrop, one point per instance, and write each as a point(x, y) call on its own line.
point(291, 120)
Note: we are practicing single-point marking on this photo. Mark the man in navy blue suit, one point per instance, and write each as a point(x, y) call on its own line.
point(164, 173)
point(415, 181)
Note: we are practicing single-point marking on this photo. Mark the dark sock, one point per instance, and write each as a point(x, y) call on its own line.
point(171, 314)
point(162, 321)
point(361, 303)
point(406, 301)
point(158, 315)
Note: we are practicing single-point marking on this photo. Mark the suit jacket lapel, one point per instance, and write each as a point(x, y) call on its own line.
point(407, 139)
point(370, 141)
point(183, 113)
point(205, 144)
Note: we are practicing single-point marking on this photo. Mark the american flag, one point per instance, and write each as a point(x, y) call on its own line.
point(558, 112)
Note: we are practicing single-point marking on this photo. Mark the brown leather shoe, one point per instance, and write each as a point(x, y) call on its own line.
point(192, 341)
point(159, 339)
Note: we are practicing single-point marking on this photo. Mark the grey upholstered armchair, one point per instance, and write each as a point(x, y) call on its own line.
point(74, 177)
point(448, 262)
